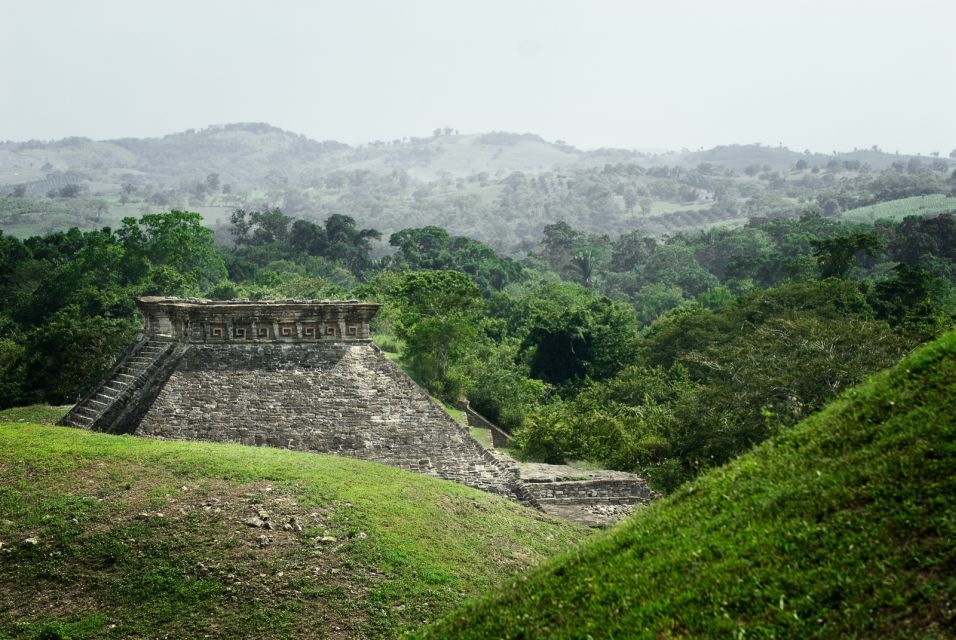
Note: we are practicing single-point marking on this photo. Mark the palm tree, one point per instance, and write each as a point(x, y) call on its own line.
point(583, 261)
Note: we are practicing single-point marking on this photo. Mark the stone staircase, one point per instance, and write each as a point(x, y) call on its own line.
point(120, 384)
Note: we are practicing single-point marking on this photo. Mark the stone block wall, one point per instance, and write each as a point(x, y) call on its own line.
point(332, 398)
point(629, 491)
point(595, 497)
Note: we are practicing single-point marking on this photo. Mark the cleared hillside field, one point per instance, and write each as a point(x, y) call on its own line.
point(841, 528)
point(122, 537)
point(931, 205)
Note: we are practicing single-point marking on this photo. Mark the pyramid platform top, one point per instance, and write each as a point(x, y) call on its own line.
point(245, 302)
point(241, 321)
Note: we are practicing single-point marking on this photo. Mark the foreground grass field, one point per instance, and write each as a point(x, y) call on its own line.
point(844, 527)
point(119, 537)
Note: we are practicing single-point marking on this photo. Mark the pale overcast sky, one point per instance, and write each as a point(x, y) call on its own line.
point(662, 74)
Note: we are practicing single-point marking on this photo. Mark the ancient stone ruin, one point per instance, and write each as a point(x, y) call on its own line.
point(294, 374)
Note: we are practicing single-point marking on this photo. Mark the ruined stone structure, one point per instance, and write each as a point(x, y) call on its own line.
point(295, 374)
point(499, 437)
point(299, 375)
point(595, 497)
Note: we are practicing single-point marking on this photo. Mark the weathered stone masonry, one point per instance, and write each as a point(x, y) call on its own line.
point(298, 375)
point(304, 375)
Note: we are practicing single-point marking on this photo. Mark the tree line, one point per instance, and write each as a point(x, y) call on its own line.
point(663, 357)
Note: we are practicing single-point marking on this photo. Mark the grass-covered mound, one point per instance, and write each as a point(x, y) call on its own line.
point(845, 526)
point(115, 536)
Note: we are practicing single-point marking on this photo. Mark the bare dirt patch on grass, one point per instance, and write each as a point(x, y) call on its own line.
point(248, 547)
point(138, 538)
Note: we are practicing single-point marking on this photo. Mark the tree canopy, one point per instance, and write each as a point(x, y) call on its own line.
point(663, 356)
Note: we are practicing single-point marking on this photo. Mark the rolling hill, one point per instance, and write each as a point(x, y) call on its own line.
point(253, 155)
point(122, 537)
point(499, 187)
point(250, 155)
point(841, 528)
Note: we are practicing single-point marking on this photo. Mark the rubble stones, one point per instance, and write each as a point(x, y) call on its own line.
point(611, 510)
point(597, 498)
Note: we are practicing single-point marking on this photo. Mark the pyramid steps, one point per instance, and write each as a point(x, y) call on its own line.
point(119, 385)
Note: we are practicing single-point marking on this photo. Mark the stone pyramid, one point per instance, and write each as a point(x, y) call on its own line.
point(293, 374)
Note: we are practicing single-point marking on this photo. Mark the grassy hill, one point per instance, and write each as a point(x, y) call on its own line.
point(843, 527)
point(927, 206)
point(120, 537)
point(242, 153)
point(462, 155)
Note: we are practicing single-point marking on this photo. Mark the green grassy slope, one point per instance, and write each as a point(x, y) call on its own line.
point(926, 206)
point(843, 527)
point(143, 538)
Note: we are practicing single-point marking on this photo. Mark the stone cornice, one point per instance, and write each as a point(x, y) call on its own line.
point(248, 321)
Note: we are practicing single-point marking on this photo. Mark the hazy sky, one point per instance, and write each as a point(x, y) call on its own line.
point(663, 74)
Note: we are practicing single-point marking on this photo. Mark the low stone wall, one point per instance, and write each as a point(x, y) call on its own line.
point(499, 438)
point(628, 491)
point(595, 497)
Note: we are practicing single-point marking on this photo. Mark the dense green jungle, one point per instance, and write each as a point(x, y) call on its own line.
point(660, 314)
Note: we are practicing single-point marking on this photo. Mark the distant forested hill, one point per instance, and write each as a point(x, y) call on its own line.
point(498, 187)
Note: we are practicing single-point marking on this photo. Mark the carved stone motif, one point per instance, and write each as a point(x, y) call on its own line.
point(198, 321)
